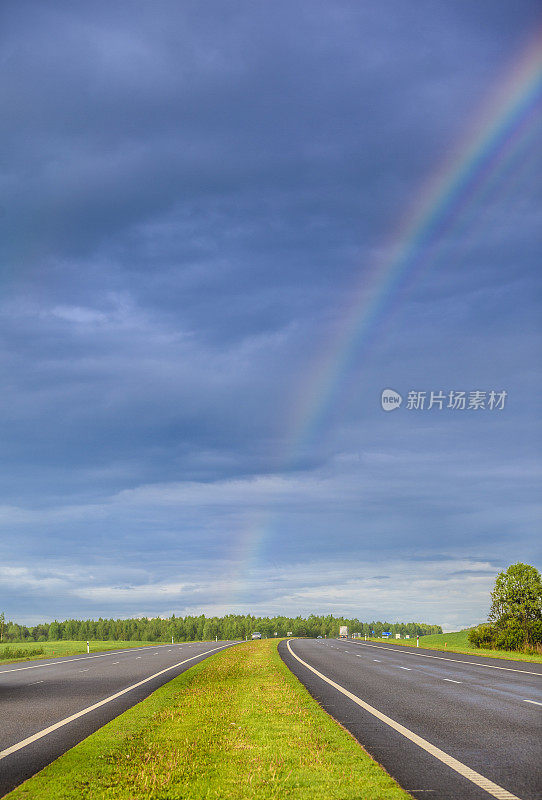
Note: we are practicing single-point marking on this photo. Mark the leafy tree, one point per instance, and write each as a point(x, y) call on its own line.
point(516, 600)
point(13, 632)
point(54, 631)
point(516, 611)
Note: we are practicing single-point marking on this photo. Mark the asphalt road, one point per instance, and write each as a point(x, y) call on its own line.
point(37, 695)
point(487, 720)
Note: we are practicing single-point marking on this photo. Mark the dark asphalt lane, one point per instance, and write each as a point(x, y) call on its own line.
point(488, 719)
point(35, 695)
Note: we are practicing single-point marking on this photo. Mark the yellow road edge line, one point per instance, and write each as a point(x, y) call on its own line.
point(62, 722)
point(475, 777)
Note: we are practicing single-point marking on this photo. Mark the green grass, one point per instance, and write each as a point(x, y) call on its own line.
point(455, 639)
point(457, 642)
point(66, 648)
point(239, 725)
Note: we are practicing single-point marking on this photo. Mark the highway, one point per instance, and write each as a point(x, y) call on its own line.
point(49, 706)
point(446, 726)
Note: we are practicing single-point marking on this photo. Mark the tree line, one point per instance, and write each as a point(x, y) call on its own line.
point(191, 628)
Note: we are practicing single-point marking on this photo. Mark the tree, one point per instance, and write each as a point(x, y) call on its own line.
point(13, 632)
point(516, 602)
point(54, 631)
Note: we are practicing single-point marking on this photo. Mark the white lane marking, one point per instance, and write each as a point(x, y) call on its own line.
point(51, 728)
point(450, 680)
point(83, 670)
point(138, 656)
point(116, 662)
point(35, 682)
point(533, 701)
point(442, 658)
point(475, 777)
point(377, 660)
point(408, 669)
point(359, 656)
point(128, 651)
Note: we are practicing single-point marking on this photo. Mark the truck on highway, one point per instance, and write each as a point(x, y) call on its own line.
point(343, 632)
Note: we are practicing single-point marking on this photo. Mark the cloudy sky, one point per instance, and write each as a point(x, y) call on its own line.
point(203, 209)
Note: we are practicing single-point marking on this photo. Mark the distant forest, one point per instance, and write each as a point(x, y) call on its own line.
point(182, 629)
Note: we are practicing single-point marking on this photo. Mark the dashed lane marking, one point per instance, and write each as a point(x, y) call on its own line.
point(536, 703)
point(479, 780)
point(128, 651)
point(442, 658)
point(25, 742)
point(450, 680)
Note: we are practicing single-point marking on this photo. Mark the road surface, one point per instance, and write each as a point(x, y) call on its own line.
point(93, 689)
point(446, 726)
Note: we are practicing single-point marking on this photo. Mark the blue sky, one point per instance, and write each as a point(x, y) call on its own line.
point(192, 194)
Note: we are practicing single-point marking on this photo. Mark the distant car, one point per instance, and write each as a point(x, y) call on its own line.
point(319, 637)
point(256, 635)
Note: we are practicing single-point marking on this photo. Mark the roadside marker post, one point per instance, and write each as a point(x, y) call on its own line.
point(88, 647)
point(417, 641)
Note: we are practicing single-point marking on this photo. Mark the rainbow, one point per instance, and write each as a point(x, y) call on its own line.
point(494, 142)
point(491, 143)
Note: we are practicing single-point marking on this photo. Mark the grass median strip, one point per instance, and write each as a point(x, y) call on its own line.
point(238, 725)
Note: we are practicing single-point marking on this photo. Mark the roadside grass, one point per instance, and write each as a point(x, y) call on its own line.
point(64, 648)
point(237, 726)
point(457, 642)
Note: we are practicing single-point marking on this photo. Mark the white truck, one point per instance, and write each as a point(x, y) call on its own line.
point(343, 632)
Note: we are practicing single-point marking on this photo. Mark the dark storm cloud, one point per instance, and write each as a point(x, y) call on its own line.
point(124, 116)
